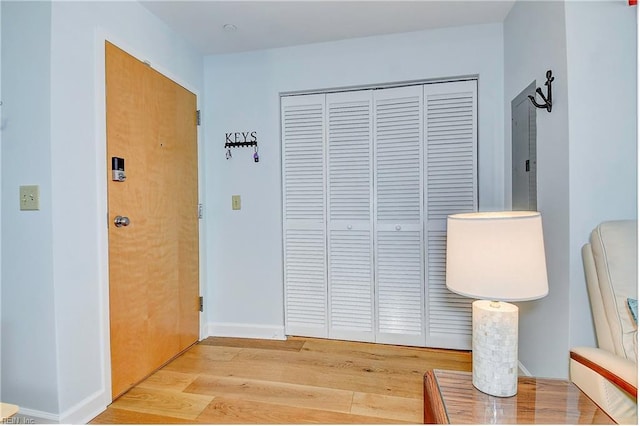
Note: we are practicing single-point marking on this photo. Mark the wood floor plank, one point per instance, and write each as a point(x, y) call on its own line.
point(374, 351)
point(169, 380)
point(384, 374)
point(375, 405)
point(113, 416)
point(212, 353)
point(401, 362)
point(370, 381)
point(297, 381)
point(237, 411)
point(198, 359)
point(163, 403)
point(273, 392)
point(281, 345)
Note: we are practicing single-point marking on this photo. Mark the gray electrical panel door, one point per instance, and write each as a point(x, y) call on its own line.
point(523, 152)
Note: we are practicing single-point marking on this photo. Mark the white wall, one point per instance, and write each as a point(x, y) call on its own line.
point(586, 153)
point(242, 94)
point(602, 76)
point(58, 255)
point(28, 370)
point(534, 42)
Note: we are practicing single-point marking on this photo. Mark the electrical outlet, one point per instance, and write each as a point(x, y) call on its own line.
point(235, 202)
point(30, 197)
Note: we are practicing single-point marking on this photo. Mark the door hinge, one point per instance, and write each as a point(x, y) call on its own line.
point(201, 302)
point(200, 211)
point(198, 117)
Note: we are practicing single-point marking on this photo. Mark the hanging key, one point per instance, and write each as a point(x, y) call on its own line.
point(256, 157)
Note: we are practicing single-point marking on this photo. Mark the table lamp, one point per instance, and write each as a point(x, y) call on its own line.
point(497, 256)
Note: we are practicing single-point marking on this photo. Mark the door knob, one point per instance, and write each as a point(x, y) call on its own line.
point(121, 221)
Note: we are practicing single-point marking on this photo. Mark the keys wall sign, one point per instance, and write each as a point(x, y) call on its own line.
point(241, 139)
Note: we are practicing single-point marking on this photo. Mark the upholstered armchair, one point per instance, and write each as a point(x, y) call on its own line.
point(608, 374)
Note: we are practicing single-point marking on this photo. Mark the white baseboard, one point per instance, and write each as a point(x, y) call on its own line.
point(43, 416)
point(252, 331)
point(522, 369)
point(85, 410)
point(80, 413)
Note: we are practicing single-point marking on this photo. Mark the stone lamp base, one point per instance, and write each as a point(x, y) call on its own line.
point(495, 347)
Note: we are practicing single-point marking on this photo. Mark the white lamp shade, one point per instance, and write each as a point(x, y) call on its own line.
point(496, 255)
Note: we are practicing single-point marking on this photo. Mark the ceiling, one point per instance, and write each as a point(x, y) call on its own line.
point(268, 24)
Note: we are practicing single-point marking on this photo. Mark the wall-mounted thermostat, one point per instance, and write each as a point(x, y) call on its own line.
point(117, 169)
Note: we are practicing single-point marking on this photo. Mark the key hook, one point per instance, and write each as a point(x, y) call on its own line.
point(547, 99)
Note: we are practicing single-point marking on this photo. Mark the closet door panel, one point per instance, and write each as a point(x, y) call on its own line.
point(451, 187)
point(349, 198)
point(399, 283)
point(351, 284)
point(305, 265)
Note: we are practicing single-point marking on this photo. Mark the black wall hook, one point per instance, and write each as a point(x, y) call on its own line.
point(547, 99)
point(237, 144)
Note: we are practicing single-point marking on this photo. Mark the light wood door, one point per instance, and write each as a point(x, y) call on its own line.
point(153, 262)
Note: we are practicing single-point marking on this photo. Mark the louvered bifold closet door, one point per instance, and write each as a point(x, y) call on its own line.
point(398, 207)
point(451, 187)
point(305, 270)
point(350, 199)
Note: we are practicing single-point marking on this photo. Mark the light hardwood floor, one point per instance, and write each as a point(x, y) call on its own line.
point(300, 380)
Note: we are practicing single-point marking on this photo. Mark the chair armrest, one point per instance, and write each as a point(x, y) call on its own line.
point(619, 371)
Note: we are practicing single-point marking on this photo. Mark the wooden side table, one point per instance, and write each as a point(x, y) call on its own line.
point(7, 410)
point(449, 397)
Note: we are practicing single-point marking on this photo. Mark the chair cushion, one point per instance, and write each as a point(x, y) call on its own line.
point(615, 252)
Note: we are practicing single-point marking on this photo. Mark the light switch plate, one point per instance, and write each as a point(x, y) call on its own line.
point(235, 202)
point(29, 197)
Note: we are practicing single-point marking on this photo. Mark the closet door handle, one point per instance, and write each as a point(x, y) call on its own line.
point(349, 226)
point(398, 227)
